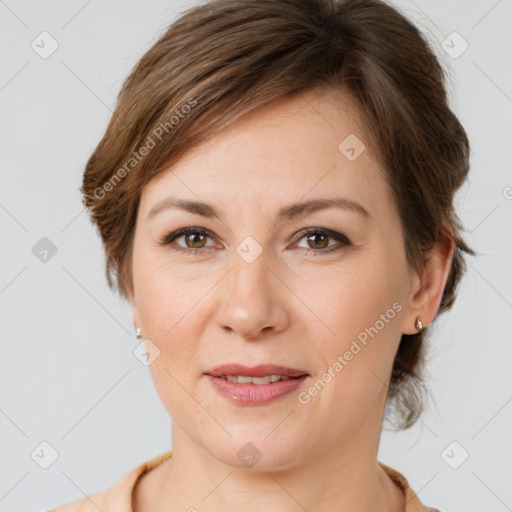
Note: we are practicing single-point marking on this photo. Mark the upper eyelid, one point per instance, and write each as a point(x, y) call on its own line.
point(329, 232)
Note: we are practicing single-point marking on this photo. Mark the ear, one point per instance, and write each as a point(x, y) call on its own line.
point(133, 306)
point(426, 289)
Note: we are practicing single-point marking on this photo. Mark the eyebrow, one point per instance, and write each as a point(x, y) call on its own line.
point(292, 211)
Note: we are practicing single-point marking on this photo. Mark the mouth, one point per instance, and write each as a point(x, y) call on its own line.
point(255, 385)
point(247, 374)
point(258, 381)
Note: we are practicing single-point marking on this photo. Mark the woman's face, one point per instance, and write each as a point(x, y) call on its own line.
point(255, 289)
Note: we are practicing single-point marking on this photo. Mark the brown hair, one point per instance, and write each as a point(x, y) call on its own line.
point(226, 58)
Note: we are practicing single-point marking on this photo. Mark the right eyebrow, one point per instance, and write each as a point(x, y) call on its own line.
point(195, 207)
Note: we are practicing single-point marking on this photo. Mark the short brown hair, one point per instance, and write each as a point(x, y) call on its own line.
point(226, 58)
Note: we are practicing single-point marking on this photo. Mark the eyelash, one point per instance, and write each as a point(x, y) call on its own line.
point(345, 242)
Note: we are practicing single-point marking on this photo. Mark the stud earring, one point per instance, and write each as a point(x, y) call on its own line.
point(419, 324)
point(138, 333)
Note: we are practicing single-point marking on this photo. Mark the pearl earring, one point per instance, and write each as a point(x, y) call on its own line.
point(419, 324)
point(138, 333)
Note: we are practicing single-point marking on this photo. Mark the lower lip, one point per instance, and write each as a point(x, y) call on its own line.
point(255, 394)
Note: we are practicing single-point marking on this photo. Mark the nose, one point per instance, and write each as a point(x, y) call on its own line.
point(253, 299)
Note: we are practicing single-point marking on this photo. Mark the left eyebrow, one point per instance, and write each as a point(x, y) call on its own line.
point(287, 212)
point(301, 209)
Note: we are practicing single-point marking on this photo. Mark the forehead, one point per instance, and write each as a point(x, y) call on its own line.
point(312, 144)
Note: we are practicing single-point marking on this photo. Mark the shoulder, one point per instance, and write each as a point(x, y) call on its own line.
point(117, 497)
point(91, 503)
point(413, 503)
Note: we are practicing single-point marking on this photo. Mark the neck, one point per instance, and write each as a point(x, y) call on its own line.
point(347, 476)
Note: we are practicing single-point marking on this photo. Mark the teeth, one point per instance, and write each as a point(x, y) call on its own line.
point(242, 379)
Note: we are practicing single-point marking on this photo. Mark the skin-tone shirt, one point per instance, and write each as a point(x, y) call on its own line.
point(118, 498)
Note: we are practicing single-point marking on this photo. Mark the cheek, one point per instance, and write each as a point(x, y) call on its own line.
point(354, 377)
point(361, 306)
point(168, 308)
point(351, 297)
point(165, 299)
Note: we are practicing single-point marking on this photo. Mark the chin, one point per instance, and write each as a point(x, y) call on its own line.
point(252, 449)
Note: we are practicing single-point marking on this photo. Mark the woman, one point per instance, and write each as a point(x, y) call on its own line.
point(275, 194)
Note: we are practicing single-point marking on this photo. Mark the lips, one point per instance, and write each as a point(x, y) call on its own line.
point(255, 385)
point(262, 370)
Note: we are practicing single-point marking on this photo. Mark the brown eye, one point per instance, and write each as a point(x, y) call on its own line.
point(188, 240)
point(318, 240)
point(194, 240)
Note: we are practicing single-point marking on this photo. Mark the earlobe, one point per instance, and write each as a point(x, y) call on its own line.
point(426, 294)
point(133, 307)
point(135, 319)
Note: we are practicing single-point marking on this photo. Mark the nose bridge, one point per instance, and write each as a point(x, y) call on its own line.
point(251, 302)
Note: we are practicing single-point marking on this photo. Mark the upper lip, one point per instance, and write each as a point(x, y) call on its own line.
point(261, 370)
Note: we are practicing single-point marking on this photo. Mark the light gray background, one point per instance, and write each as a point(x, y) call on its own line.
point(68, 375)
